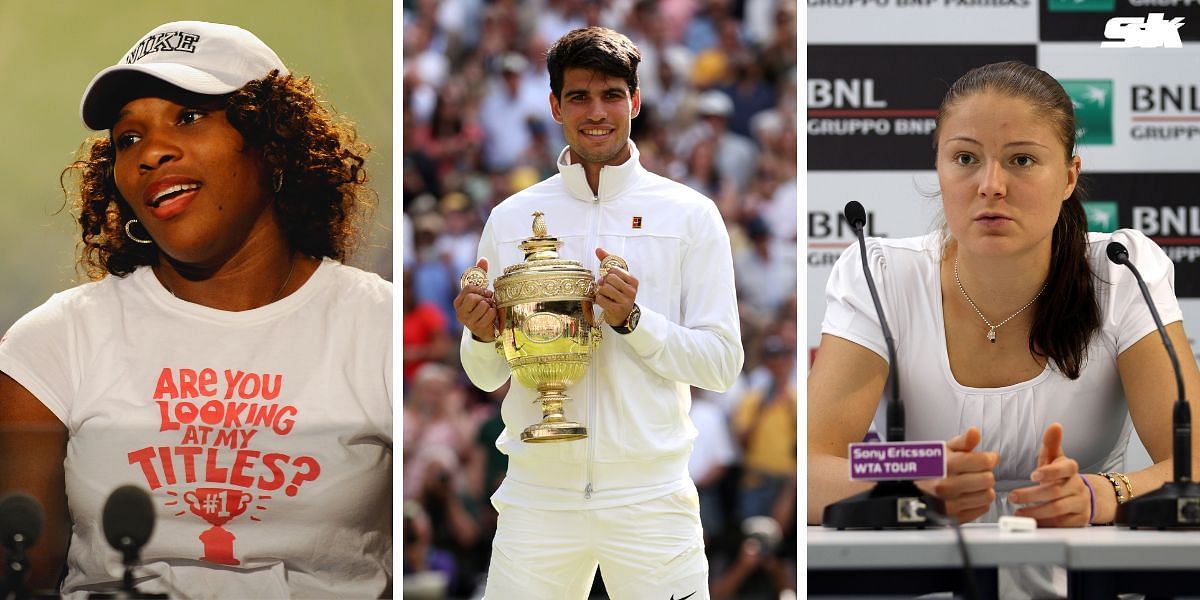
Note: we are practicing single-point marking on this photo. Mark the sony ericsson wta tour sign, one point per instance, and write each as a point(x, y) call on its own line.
point(882, 461)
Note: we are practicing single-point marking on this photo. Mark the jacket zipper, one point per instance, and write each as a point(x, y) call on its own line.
point(591, 439)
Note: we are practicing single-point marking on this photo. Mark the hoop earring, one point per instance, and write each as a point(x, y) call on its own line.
point(129, 232)
point(278, 180)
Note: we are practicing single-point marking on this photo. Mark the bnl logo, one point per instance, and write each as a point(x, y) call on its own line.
point(1101, 215)
point(1092, 99)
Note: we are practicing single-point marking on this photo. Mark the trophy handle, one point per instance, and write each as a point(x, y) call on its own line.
point(478, 278)
point(610, 261)
point(473, 276)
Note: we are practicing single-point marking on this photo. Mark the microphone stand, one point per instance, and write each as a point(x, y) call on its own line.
point(127, 592)
point(1175, 505)
point(898, 504)
point(128, 520)
point(16, 567)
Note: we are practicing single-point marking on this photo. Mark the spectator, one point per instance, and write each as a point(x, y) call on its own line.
point(758, 572)
point(434, 279)
point(766, 274)
point(749, 92)
point(765, 425)
point(508, 106)
point(455, 527)
point(711, 458)
point(460, 237)
point(703, 31)
point(559, 17)
point(701, 174)
point(427, 570)
point(452, 138)
point(736, 154)
point(426, 332)
point(435, 423)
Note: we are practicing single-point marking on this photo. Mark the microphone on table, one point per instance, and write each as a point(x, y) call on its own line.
point(21, 519)
point(894, 504)
point(1176, 504)
point(128, 521)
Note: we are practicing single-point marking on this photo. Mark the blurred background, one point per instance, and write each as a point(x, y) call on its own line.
point(49, 51)
point(718, 81)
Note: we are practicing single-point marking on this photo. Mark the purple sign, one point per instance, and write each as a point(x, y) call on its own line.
point(881, 461)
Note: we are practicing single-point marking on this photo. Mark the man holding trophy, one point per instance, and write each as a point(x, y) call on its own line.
point(596, 423)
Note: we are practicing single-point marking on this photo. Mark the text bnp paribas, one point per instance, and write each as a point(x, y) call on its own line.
point(915, 3)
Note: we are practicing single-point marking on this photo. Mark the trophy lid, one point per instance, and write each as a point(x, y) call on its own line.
point(541, 246)
point(543, 276)
point(541, 250)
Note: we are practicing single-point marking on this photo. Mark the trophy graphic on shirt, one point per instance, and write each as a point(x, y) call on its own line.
point(218, 506)
point(547, 330)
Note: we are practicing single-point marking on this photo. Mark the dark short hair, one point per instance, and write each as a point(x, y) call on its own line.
point(322, 202)
point(594, 48)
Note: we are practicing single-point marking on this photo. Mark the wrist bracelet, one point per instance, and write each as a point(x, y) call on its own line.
point(1128, 485)
point(1092, 495)
point(1121, 499)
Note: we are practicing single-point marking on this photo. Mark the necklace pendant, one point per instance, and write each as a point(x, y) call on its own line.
point(992, 335)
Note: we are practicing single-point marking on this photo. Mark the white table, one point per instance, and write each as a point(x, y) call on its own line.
point(1101, 561)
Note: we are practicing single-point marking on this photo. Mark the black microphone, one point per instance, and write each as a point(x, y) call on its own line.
point(1176, 504)
point(128, 521)
point(897, 504)
point(21, 519)
point(856, 215)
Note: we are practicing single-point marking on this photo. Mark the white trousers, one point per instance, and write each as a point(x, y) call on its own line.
point(653, 550)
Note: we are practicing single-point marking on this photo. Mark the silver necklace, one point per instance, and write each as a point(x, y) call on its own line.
point(991, 334)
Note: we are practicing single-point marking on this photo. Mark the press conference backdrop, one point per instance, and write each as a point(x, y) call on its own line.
point(877, 70)
point(49, 51)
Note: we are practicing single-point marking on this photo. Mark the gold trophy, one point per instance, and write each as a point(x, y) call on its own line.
point(547, 331)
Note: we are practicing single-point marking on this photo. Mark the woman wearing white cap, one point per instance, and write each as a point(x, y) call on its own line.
point(223, 359)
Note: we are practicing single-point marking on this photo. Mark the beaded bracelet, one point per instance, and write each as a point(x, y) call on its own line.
point(1128, 485)
point(1112, 478)
point(1092, 495)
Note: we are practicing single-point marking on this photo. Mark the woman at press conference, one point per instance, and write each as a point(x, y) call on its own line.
point(1018, 341)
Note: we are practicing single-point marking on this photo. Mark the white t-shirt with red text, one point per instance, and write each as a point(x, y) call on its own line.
point(264, 437)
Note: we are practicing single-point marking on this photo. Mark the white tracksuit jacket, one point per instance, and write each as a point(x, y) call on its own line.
point(635, 397)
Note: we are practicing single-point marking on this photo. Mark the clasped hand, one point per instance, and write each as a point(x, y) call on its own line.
point(615, 292)
point(475, 309)
point(1059, 499)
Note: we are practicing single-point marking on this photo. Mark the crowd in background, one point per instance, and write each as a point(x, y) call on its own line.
point(718, 86)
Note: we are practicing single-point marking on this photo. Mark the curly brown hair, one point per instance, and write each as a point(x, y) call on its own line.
point(315, 159)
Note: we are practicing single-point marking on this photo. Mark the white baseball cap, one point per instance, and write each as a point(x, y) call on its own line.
point(715, 103)
point(199, 57)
